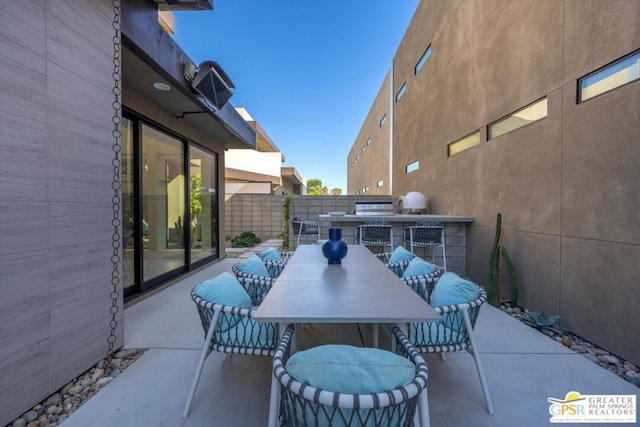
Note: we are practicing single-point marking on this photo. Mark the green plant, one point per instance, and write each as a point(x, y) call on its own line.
point(286, 215)
point(493, 273)
point(195, 199)
point(541, 322)
point(244, 240)
point(512, 276)
point(494, 296)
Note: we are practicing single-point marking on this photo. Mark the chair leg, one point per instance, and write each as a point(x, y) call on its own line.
point(203, 356)
point(423, 408)
point(476, 358)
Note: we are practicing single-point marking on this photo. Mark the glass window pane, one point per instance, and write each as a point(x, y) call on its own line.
point(611, 77)
point(163, 203)
point(520, 118)
point(463, 144)
point(414, 166)
point(422, 60)
point(401, 92)
point(203, 203)
point(383, 120)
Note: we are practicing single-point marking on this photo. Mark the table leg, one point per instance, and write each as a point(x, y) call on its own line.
point(374, 331)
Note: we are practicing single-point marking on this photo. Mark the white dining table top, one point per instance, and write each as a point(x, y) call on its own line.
point(360, 290)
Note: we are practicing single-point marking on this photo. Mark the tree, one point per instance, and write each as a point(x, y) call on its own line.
point(316, 188)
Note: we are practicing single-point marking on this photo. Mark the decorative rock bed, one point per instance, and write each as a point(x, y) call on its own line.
point(624, 369)
point(60, 405)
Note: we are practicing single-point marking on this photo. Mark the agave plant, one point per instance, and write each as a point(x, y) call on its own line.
point(541, 322)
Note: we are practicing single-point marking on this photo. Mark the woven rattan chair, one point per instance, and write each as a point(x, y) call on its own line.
point(376, 232)
point(453, 333)
point(304, 405)
point(303, 227)
point(427, 233)
point(258, 286)
point(423, 284)
point(230, 330)
point(397, 267)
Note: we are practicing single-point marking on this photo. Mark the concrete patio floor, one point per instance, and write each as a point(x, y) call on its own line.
point(523, 368)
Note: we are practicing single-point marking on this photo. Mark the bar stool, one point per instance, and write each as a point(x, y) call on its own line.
point(427, 233)
point(303, 227)
point(376, 232)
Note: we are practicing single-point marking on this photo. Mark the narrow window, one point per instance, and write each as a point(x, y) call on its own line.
point(383, 120)
point(364, 148)
point(463, 144)
point(411, 167)
point(527, 115)
point(369, 141)
point(401, 92)
point(422, 60)
point(623, 71)
point(380, 183)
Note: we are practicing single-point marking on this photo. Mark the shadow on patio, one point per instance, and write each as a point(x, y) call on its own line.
point(523, 368)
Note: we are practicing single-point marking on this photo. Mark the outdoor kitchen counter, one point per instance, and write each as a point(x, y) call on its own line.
point(455, 234)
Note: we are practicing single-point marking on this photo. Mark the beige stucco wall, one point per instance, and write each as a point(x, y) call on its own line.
point(567, 186)
point(55, 195)
point(368, 167)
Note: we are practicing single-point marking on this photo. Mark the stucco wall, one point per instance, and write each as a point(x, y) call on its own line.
point(55, 195)
point(567, 186)
point(370, 171)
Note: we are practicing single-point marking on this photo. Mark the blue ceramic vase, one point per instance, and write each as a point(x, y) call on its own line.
point(335, 248)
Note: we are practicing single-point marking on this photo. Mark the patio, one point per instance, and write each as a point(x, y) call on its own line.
point(522, 366)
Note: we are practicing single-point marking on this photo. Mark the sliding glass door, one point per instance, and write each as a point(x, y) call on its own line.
point(163, 203)
point(169, 206)
point(203, 206)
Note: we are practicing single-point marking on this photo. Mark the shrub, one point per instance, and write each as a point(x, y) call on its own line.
point(245, 240)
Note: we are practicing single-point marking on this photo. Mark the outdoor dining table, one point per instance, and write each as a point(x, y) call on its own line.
point(360, 290)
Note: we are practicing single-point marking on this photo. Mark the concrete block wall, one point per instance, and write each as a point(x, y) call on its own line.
point(258, 213)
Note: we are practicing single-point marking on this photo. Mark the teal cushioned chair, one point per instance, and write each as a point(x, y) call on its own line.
point(390, 399)
point(229, 328)
point(458, 301)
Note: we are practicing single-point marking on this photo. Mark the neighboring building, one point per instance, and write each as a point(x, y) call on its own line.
point(60, 64)
point(368, 167)
point(254, 171)
point(260, 171)
point(531, 109)
point(293, 182)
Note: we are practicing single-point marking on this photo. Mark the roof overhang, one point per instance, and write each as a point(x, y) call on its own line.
point(248, 176)
point(184, 4)
point(292, 175)
point(150, 55)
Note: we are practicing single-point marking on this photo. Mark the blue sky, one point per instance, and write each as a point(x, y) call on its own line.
point(306, 70)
